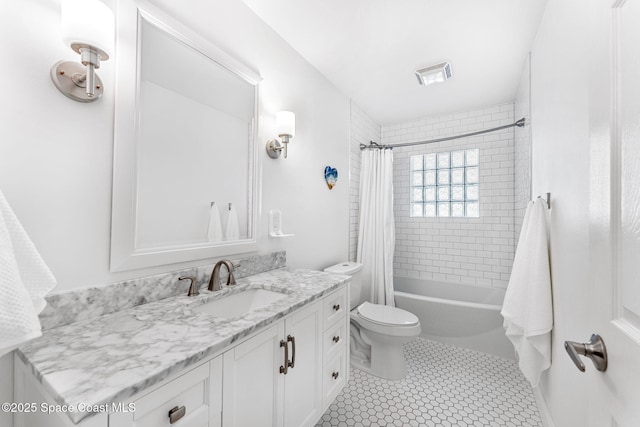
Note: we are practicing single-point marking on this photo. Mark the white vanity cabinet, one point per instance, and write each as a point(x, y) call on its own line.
point(193, 398)
point(335, 369)
point(285, 375)
point(259, 390)
point(257, 393)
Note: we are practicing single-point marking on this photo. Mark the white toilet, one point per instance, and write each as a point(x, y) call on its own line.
point(377, 331)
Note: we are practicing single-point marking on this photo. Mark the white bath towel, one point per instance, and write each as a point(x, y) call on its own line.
point(24, 281)
point(527, 307)
point(214, 228)
point(232, 231)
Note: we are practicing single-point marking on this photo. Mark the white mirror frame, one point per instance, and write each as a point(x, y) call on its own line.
point(124, 255)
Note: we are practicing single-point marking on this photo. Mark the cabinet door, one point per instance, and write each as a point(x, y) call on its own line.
point(215, 392)
point(253, 386)
point(303, 387)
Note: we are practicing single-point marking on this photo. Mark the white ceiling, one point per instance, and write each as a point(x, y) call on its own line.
point(370, 49)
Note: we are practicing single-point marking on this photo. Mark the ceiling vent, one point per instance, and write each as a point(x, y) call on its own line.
point(434, 74)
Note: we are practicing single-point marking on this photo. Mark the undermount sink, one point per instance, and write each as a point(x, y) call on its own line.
point(241, 303)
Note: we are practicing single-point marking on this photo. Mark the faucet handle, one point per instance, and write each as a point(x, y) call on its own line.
point(193, 289)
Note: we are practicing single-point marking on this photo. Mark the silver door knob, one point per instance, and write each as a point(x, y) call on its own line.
point(594, 350)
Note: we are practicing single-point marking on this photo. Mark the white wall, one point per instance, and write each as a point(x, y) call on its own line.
point(460, 250)
point(561, 165)
point(319, 217)
point(522, 149)
point(56, 154)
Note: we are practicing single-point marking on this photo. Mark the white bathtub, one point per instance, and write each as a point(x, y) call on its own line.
point(461, 315)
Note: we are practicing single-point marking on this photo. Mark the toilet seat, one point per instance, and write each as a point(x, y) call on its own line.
point(374, 319)
point(386, 315)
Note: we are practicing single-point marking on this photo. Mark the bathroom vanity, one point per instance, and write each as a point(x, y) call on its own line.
point(279, 358)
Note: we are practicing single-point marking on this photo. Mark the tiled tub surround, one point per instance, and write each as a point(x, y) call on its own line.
point(113, 357)
point(83, 304)
point(458, 250)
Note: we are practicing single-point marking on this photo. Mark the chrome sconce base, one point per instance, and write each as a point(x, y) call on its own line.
point(275, 147)
point(285, 129)
point(71, 79)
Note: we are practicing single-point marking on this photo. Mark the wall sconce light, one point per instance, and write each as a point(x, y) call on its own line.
point(286, 129)
point(88, 28)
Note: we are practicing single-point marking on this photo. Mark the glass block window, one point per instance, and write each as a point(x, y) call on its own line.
point(445, 184)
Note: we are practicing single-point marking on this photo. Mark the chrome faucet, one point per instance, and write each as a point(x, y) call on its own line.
point(214, 282)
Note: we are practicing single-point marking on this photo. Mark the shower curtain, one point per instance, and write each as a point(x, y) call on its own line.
point(376, 234)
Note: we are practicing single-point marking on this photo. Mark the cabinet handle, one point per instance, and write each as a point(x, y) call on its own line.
point(292, 340)
point(336, 307)
point(335, 375)
point(285, 368)
point(336, 339)
point(176, 413)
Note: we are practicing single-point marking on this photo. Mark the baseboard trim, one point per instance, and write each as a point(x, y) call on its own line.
point(543, 408)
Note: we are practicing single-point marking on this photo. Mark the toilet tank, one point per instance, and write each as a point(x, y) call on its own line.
point(354, 270)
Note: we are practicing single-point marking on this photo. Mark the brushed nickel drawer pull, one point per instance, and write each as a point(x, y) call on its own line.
point(176, 413)
point(285, 368)
point(335, 375)
point(292, 340)
point(336, 307)
point(336, 339)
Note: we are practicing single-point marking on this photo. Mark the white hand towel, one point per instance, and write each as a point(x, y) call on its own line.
point(527, 307)
point(214, 229)
point(233, 230)
point(24, 281)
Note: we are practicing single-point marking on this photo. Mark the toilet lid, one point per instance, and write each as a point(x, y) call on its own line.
point(387, 315)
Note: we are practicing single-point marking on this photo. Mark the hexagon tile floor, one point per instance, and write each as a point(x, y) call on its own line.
point(445, 386)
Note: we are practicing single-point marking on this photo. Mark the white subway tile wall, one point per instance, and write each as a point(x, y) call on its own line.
point(461, 250)
point(363, 130)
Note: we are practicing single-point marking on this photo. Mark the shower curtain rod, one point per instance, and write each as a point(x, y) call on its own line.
point(519, 123)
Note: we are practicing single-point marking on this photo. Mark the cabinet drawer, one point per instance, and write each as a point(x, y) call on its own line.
point(335, 307)
point(334, 339)
point(189, 390)
point(335, 376)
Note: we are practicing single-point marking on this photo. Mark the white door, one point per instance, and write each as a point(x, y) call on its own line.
point(615, 211)
point(303, 397)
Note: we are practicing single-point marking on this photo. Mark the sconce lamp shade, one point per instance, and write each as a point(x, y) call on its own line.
point(286, 129)
point(286, 123)
point(88, 23)
point(88, 27)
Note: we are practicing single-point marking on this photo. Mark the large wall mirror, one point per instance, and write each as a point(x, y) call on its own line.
point(185, 157)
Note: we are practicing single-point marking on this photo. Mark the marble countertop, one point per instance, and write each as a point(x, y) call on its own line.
point(113, 357)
